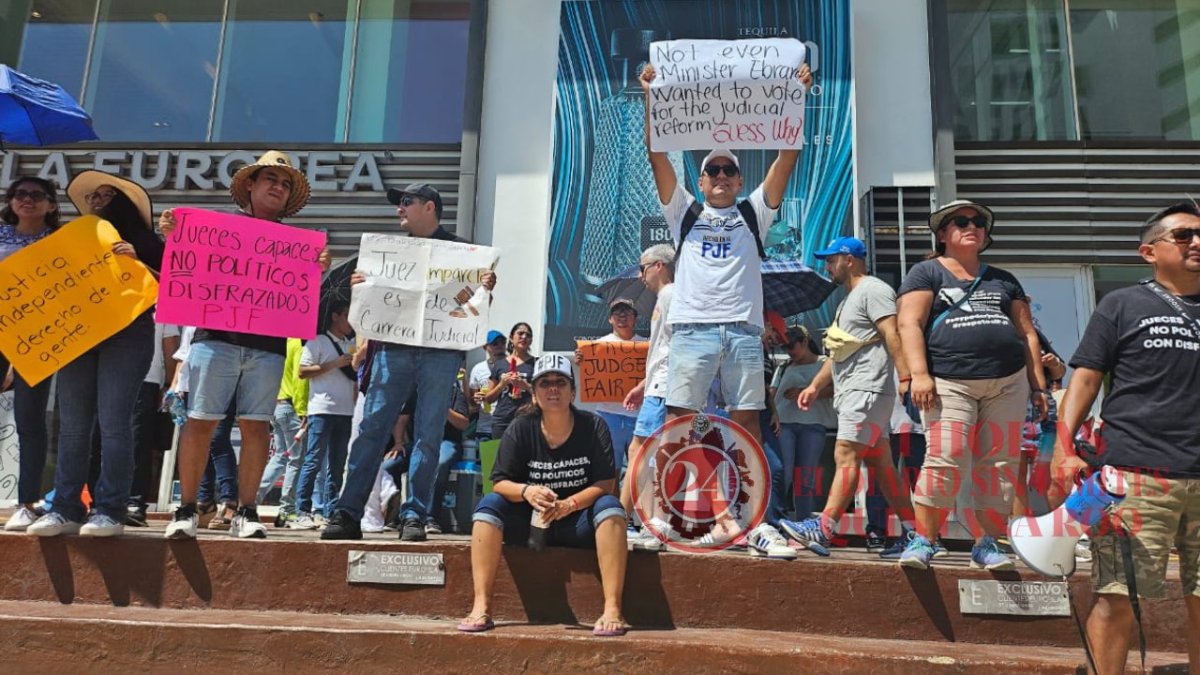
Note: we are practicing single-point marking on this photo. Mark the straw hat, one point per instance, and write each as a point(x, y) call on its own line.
point(240, 186)
point(89, 181)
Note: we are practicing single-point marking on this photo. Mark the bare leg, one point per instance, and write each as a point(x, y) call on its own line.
point(256, 443)
point(193, 456)
point(486, 543)
point(634, 455)
point(1108, 628)
point(1193, 607)
point(749, 420)
point(989, 522)
point(847, 456)
point(929, 521)
point(1021, 488)
point(612, 555)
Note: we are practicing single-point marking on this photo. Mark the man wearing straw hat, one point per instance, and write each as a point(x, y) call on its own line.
point(225, 366)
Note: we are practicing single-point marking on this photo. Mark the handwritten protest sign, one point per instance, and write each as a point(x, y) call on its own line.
point(726, 93)
point(66, 294)
point(230, 272)
point(610, 369)
point(422, 292)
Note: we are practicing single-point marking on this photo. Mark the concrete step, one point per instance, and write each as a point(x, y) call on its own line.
point(50, 637)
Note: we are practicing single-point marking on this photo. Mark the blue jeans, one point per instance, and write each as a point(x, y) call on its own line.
point(770, 445)
point(448, 454)
point(328, 436)
point(912, 448)
point(396, 370)
point(620, 427)
point(289, 452)
point(101, 385)
point(29, 409)
point(700, 352)
point(576, 530)
point(221, 473)
point(802, 446)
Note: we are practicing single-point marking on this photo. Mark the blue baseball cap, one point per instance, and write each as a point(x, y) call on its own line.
point(494, 335)
point(841, 245)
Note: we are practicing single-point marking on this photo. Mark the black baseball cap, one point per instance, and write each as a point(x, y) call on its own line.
point(423, 190)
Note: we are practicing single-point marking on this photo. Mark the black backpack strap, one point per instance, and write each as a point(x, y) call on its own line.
point(693, 214)
point(689, 221)
point(751, 218)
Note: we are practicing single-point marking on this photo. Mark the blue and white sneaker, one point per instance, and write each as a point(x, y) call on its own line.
point(765, 541)
point(809, 533)
point(917, 554)
point(987, 555)
point(897, 547)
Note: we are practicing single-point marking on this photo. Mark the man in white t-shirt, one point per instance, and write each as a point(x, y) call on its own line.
point(325, 363)
point(479, 379)
point(622, 316)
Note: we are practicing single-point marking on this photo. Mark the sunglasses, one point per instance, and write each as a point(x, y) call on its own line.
point(32, 195)
point(1181, 235)
point(642, 268)
point(962, 222)
point(713, 170)
point(623, 310)
point(408, 200)
point(99, 195)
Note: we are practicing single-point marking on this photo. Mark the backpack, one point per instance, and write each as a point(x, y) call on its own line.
point(693, 214)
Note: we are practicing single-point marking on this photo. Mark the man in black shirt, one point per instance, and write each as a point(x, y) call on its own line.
point(223, 365)
point(1147, 338)
point(392, 371)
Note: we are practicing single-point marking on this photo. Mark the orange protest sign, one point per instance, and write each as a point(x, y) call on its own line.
point(66, 294)
point(608, 370)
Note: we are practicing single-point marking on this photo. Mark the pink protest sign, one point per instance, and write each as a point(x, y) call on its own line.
point(236, 273)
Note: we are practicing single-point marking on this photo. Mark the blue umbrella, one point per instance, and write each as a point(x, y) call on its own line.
point(37, 112)
point(789, 287)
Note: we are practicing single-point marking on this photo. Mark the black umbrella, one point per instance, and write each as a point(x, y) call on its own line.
point(335, 287)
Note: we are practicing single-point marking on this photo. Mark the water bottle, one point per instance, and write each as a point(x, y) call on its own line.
point(538, 528)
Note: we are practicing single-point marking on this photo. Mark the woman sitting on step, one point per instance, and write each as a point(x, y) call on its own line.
point(554, 484)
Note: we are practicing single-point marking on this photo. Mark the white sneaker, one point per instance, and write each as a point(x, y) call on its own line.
point(101, 526)
point(53, 524)
point(21, 520)
point(246, 525)
point(766, 541)
point(303, 521)
point(645, 541)
point(184, 524)
point(1083, 549)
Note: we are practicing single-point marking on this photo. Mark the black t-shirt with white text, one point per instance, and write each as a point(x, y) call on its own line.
point(506, 406)
point(1153, 354)
point(977, 340)
point(585, 459)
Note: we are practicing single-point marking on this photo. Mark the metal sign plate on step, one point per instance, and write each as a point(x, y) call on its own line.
point(1023, 598)
point(396, 567)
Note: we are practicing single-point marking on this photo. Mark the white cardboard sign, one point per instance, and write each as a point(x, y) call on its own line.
point(422, 292)
point(726, 94)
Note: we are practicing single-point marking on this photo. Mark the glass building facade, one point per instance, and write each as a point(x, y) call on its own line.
point(251, 71)
point(1045, 70)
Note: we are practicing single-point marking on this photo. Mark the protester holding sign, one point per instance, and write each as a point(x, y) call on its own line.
point(102, 385)
point(510, 389)
point(622, 316)
point(392, 372)
point(30, 214)
point(554, 483)
point(229, 365)
point(969, 339)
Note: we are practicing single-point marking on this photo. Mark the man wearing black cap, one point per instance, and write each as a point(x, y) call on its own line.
point(392, 372)
point(622, 316)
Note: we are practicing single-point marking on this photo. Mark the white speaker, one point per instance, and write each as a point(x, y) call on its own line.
point(1047, 543)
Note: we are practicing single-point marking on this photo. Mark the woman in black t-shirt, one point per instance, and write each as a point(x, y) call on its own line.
point(554, 483)
point(969, 340)
point(510, 389)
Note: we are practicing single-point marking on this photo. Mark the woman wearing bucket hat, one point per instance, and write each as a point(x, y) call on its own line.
point(102, 385)
point(969, 339)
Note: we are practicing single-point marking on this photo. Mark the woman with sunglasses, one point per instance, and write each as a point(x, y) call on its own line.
point(968, 336)
point(102, 385)
point(510, 389)
point(30, 214)
point(555, 484)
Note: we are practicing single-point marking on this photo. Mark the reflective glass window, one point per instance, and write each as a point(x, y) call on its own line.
point(410, 72)
point(56, 39)
point(282, 72)
point(1137, 68)
point(153, 69)
point(1010, 70)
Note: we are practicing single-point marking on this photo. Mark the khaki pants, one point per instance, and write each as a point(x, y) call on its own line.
point(974, 434)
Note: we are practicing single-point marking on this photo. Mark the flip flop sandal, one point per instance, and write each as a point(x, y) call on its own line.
point(610, 632)
point(472, 624)
point(205, 512)
point(225, 520)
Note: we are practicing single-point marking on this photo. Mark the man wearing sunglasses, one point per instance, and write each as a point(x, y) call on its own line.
point(717, 312)
point(392, 372)
point(1147, 338)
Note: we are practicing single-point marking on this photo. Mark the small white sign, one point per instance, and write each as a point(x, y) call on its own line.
point(395, 567)
point(1024, 598)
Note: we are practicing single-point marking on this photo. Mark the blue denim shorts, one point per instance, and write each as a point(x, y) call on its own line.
point(651, 417)
point(218, 371)
point(577, 530)
point(700, 352)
